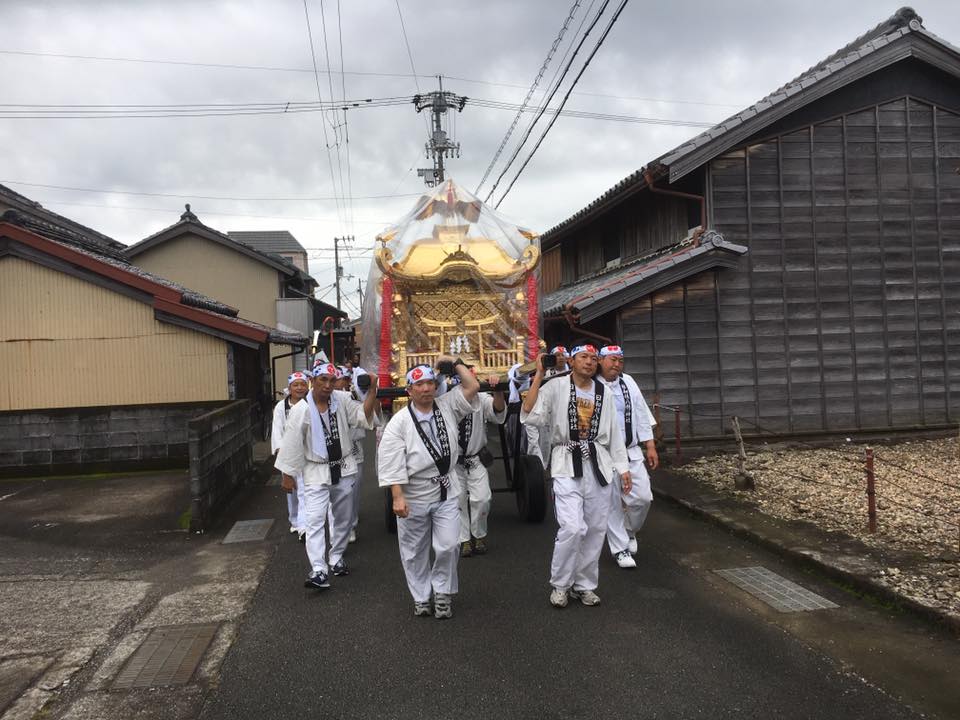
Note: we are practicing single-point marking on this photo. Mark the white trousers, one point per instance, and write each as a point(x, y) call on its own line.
point(295, 506)
point(316, 503)
point(341, 504)
point(582, 507)
point(475, 486)
point(319, 500)
point(433, 524)
point(629, 512)
point(355, 508)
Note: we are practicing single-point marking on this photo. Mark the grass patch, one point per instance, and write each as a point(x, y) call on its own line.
point(183, 522)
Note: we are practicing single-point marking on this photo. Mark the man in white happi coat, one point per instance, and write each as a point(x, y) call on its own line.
point(628, 514)
point(475, 495)
point(588, 462)
point(318, 446)
point(298, 385)
point(416, 457)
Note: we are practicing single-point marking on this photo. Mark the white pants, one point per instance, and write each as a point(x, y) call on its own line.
point(341, 504)
point(582, 507)
point(295, 506)
point(321, 499)
point(316, 503)
point(628, 512)
point(475, 486)
point(427, 524)
point(355, 508)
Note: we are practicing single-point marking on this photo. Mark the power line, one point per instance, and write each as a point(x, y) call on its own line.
point(563, 102)
point(316, 77)
point(413, 69)
point(586, 114)
point(546, 102)
point(194, 196)
point(533, 88)
point(233, 66)
point(346, 127)
point(166, 211)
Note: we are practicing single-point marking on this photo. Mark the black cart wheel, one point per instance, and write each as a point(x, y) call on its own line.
point(389, 519)
point(531, 489)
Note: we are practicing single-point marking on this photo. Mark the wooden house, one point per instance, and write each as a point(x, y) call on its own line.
point(797, 265)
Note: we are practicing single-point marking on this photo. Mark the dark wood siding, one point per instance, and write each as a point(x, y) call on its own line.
point(645, 222)
point(550, 270)
point(844, 314)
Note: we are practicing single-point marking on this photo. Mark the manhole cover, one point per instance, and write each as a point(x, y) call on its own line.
point(778, 592)
point(168, 656)
point(248, 531)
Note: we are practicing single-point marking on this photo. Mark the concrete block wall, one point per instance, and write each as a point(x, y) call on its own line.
point(221, 459)
point(103, 439)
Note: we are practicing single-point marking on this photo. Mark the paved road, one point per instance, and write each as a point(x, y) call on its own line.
point(670, 640)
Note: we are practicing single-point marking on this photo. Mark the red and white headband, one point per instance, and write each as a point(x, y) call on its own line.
point(419, 373)
point(326, 369)
point(611, 350)
point(583, 349)
point(294, 376)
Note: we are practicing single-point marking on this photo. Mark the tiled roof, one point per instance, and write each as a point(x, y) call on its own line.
point(269, 241)
point(679, 260)
point(189, 222)
point(53, 223)
point(902, 23)
point(189, 298)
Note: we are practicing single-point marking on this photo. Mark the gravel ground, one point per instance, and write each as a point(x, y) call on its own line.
point(917, 497)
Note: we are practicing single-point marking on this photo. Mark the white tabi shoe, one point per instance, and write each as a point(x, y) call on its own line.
point(625, 559)
point(632, 545)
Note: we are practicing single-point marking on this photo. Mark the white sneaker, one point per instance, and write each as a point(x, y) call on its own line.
point(587, 597)
point(632, 545)
point(625, 559)
point(353, 536)
point(293, 529)
point(442, 606)
point(558, 598)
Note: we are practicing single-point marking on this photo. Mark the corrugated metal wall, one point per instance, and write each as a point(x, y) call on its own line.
point(844, 314)
point(67, 343)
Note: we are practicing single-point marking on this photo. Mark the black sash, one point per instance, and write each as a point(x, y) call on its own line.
point(576, 442)
point(465, 430)
point(331, 436)
point(627, 412)
point(286, 406)
point(441, 457)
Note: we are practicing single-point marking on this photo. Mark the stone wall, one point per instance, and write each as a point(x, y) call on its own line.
point(97, 439)
point(221, 459)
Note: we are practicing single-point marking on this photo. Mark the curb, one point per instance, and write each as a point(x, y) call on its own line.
point(813, 558)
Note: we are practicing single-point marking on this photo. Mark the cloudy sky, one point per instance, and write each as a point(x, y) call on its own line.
point(685, 61)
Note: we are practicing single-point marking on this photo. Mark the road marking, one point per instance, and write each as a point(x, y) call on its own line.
point(248, 531)
point(776, 591)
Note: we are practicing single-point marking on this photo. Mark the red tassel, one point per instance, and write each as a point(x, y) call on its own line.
point(386, 319)
point(533, 314)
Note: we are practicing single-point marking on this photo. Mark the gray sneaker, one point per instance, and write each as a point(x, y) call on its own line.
point(586, 597)
point(442, 606)
point(558, 598)
point(422, 609)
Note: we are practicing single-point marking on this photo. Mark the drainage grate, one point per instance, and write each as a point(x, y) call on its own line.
point(168, 656)
point(776, 591)
point(248, 531)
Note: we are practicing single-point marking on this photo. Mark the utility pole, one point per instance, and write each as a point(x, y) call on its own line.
point(360, 293)
point(439, 146)
point(338, 268)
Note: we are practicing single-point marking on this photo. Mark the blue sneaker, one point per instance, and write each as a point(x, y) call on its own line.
point(317, 580)
point(341, 568)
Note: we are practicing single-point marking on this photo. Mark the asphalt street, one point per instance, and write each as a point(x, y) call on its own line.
point(670, 639)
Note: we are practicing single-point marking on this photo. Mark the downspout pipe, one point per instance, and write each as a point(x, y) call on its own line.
point(648, 177)
point(572, 321)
